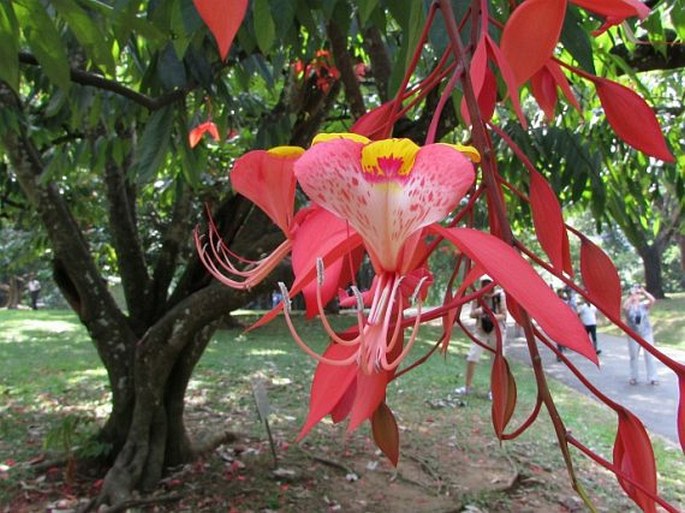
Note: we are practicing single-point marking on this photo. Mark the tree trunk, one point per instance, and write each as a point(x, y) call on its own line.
point(651, 262)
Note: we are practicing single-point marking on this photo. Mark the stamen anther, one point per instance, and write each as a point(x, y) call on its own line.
point(287, 306)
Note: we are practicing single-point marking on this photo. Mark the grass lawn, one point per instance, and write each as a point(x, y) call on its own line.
point(52, 373)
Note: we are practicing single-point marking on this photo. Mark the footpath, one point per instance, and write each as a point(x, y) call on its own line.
point(656, 406)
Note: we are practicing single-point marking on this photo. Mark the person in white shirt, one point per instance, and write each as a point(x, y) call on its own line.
point(34, 291)
point(588, 316)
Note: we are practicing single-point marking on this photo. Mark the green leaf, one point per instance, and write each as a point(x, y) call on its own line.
point(154, 144)
point(410, 16)
point(9, 46)
point(678, 18)
point(265, 29)
point(98, 48)
point(44, 41)
point(365, 8)
point(576, 41)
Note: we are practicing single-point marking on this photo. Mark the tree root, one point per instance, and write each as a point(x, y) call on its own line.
point(143, 501)
point(213, 441)
point(329, 462)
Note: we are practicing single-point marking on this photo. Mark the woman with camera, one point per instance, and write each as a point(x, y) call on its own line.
point(490, 312)
point(636, 308)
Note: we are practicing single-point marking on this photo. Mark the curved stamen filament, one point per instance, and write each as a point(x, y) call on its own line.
point(322, 312)
point(415, 330)
point(303, 345)
point(222, 269)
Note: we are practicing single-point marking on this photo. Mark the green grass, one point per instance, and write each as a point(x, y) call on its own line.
point(668, 322)
point(51, 371)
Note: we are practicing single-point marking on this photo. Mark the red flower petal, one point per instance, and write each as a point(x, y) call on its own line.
point(313, 239)
point(520, 281)
point(531, 34)
point(549, 223)
point(370, 394)
point(267, 179)
point(600, 277)
point(634, 456)
point(223, 18)
point(196, 133)
point(632, 119)
point(329, 385)
point(385, 432)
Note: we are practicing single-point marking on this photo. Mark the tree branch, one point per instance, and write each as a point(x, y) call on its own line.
point(94, 80)
point(347, 74)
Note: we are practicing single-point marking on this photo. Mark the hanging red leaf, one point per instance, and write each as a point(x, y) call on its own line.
point(632, 119)
point(634, 456)
point(530, 36)
point(503, 387)
point(549, 222)
point(520, 281)
point(385, 432)
point(617, 10)
point(223, 18)
point(195, 135)
point(600, 277)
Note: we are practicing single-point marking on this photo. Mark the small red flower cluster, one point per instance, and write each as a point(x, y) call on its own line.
point(321, 67)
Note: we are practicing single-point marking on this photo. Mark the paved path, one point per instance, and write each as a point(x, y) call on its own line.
point(655, 406)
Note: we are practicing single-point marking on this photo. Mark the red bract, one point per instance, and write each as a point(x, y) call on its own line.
point(600, 277)
point(632, 119)
point(634, 456)
point(223, 18)
point(377, 123)
point(615, 11)
point(544, 85)
point(549, 223)
point(530, 36)
point(520, 281)
point(503, 387)
point(195, 135)
point(484, 82)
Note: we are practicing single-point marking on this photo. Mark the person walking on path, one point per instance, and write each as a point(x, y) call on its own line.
point(486, 331)
point(34, 291)
point(636, 308)
point(588, 316)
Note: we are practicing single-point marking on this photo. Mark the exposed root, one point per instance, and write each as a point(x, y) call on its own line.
point(145, 501)
point(214, 440)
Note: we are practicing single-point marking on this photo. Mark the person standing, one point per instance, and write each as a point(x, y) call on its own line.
point(487, 324)
point(588, 316)
point(636, 308)
point(34, 291)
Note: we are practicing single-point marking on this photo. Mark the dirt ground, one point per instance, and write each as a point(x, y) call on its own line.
point(441, 470)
